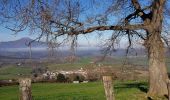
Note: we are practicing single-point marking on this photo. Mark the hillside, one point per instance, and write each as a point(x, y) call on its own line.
point(21, 43)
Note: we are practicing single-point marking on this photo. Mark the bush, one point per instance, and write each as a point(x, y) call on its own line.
point(93, 76)
point(61, 78)
point(79, 77)
point(39, 70)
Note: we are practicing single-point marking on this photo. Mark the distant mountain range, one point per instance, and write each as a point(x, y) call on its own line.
point(19, 49)
point(21, 43)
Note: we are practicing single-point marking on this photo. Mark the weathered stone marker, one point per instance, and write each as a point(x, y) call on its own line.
point(25, 89)
point(168, 85)
point(108, 86)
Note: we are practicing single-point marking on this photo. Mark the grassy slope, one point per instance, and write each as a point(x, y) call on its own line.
point(86, 61)
point(12, 72)
point(81, 63)
point(90, 91)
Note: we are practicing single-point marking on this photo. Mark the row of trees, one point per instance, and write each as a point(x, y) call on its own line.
point(64, 20)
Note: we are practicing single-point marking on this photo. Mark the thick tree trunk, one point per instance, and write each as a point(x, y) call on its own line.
point(157, 69)
point(156, 52)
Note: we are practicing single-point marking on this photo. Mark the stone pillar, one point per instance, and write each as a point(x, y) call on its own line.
point(108, 87)
point(168, 85)
point(25, 89)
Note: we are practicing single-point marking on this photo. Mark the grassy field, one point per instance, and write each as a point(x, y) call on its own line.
point(129, 90)
point(13, 72)
point(85, 62)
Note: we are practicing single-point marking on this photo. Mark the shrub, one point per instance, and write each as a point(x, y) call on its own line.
point(79, 77)
point(61, 78)
point(39, 70)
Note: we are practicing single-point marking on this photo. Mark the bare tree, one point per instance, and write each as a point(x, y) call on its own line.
point(67, 19)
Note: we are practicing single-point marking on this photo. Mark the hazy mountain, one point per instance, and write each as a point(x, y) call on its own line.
point(20, 49)
point(21, 43)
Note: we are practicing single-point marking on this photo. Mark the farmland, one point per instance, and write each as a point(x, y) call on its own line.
point(129, 90)
point(12, 71)
point(124, 90)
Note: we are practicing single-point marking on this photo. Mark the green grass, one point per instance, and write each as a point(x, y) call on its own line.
point(12, 72)
point(129, 90)
point(54, 91)
point(81, 63)
point(66, 66)
point(85, 60)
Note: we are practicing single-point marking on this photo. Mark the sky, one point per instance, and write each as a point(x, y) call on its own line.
point(90, 39)
point(7, 35)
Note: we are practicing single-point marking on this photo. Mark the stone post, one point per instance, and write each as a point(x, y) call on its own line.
point(108, 87)
point(25, 89)
point(168, 85)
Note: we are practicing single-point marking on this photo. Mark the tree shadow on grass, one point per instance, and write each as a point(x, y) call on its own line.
point(142, 86)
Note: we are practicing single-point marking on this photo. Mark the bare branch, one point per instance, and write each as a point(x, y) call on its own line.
point(117, 28)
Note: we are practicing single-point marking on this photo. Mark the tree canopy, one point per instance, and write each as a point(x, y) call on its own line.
point(69, 18)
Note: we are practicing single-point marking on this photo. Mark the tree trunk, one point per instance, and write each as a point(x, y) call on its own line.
point(157, 69)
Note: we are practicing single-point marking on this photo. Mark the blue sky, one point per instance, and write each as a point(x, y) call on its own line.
point(7, 35)
point(89, 39)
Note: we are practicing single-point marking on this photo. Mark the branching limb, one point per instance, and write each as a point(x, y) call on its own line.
point(116, 28)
